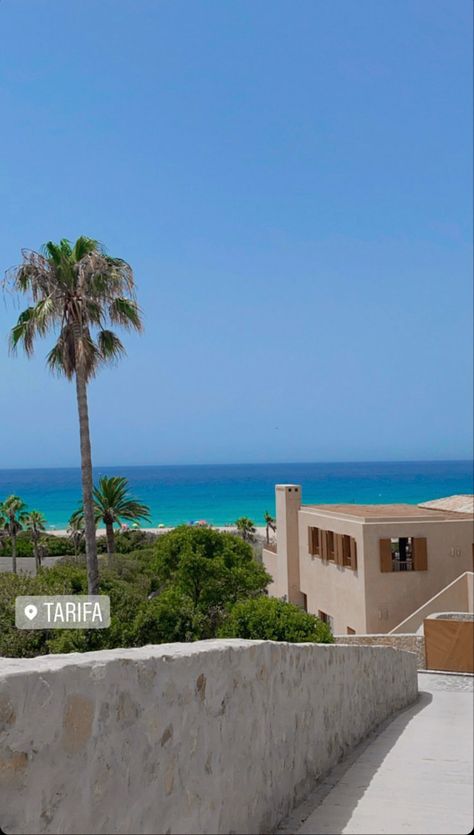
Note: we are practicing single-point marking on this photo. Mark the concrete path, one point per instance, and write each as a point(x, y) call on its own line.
point(414, 776)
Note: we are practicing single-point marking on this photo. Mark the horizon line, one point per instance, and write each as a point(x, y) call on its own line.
point(254, 464)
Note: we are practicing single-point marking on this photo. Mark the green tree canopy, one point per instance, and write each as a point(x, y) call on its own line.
point(213, 569)
point(267, 618)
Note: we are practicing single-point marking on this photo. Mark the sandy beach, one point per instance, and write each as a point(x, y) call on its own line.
point(260, 530)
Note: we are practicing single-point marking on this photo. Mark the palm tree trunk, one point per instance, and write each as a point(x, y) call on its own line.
point(268, 534)
point(13, 539)
point(110, 537)
point(87, 484)
point(36, 553)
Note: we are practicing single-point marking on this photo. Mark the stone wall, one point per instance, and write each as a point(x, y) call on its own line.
point(215, 736)
point(26, 565)
point(410, 643)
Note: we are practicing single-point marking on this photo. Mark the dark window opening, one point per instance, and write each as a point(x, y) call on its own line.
point(402, 553)
point(331, 551)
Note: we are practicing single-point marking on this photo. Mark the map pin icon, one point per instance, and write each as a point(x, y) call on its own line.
point(31, 611)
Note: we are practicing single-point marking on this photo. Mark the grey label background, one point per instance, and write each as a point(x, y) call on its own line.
point(41, 620)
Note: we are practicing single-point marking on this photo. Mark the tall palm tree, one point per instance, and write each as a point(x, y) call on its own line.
point(3, 528)
point(75, 530)
point(36, 523)
point(13, 512)
point(112, 504)
point(270, 524)
point(76, 291)
point(246, 528)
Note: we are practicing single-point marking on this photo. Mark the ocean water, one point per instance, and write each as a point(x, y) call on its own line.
point(220, 494)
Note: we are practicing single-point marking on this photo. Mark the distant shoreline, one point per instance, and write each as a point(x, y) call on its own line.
point(260, 530)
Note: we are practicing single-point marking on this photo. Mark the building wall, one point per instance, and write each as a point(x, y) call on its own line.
point(453, 598)
point(213, 736)
point(393, 596)
point(338, 591)
point(279, 585)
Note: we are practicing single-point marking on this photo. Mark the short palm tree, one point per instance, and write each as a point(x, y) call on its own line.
point(75, 530)
point(113, 504)
point(75, 292)
point(36, 523)
point(270, 524)
point(246, 528)
point(12, 511)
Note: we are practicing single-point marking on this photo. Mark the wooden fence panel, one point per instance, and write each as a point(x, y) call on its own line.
point(449, 645)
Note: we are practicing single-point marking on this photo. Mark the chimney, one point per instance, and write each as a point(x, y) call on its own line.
point(288, 503)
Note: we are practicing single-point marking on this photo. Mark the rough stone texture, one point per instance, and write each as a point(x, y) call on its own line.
point(215, 736)
point(409, 643)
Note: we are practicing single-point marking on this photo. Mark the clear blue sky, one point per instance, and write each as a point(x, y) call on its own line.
point(291, 182)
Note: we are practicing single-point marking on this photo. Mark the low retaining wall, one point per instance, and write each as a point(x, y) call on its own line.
point(216, 736)
point(409, 643)
point(26, 565)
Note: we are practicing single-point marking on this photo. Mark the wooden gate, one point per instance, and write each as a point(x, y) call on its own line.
point(449, 645)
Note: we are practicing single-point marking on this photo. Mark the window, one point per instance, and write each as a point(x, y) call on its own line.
point(403, 553)
point(350, 630)
point(331, 551)
point(313, 541)
point(335, 547)
point(346, 550)
point(328, 619)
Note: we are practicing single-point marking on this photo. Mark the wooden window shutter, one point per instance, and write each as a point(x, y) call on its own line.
point(324, 544)
point(353, 554)
point(420, 554)
point(385, 555)
point(310, 541)
point(339, 558)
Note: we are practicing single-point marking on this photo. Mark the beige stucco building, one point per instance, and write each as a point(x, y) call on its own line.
point(365, 568)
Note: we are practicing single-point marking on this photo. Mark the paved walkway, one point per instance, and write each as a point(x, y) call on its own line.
point(414, 776)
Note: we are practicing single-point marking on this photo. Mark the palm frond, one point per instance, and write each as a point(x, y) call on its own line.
point(34, 520)
point(125, 312)
point(23, 332)
point(62, 357)
point(110, 346)
point(79, 288)
point(113, 502)
point(85, 246)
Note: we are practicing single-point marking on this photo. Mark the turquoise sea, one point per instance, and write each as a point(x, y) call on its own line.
point(222, 493)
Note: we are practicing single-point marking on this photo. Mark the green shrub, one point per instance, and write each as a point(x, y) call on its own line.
point(196, 575)
point(58, 580)
point(54, 546)
point(128, 541)
point(267, 618)
point(169, 617)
